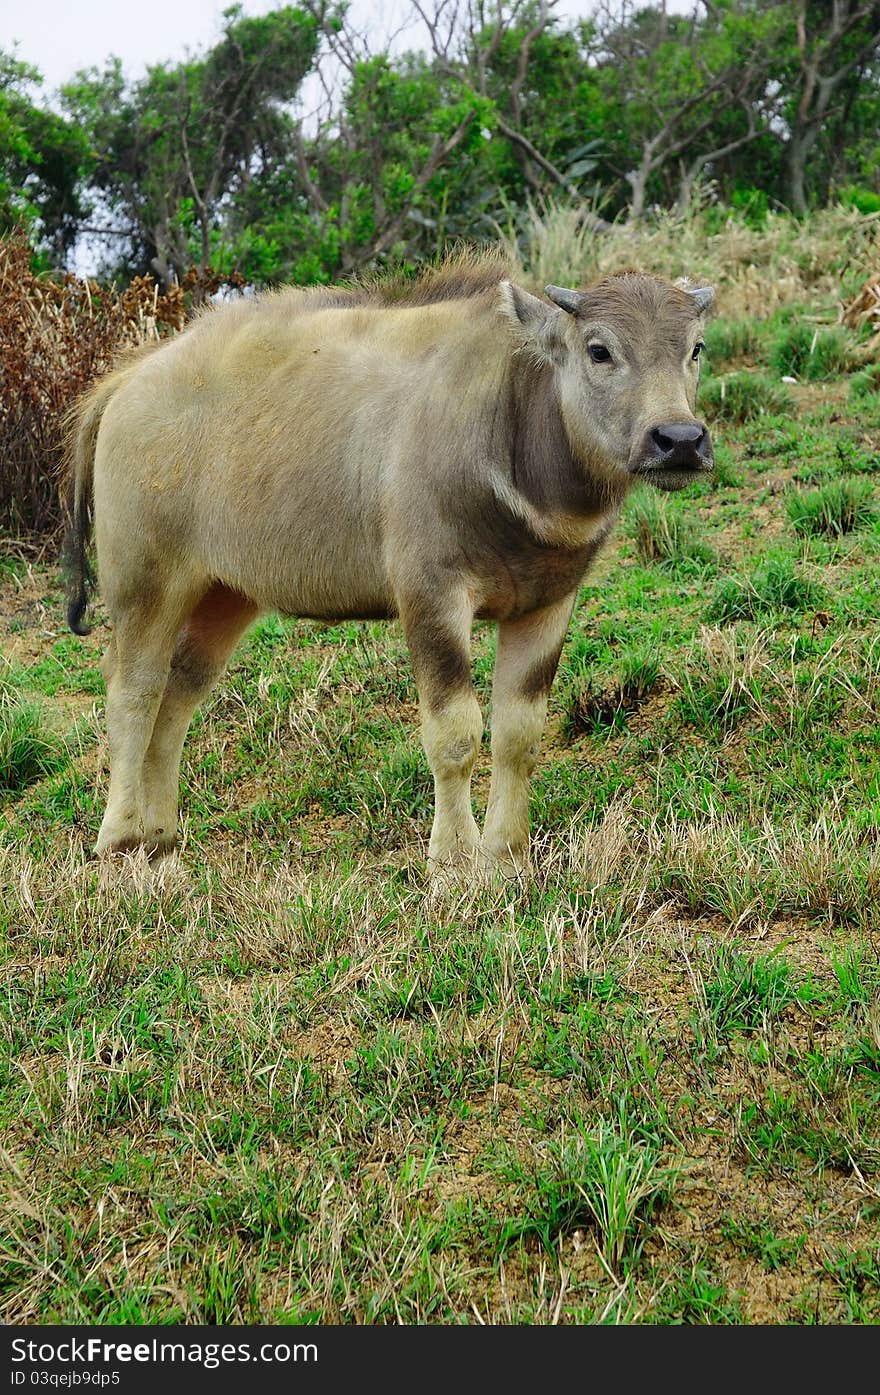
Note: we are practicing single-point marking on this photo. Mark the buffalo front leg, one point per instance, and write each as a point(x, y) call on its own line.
point(438, 630)
point(525, 666)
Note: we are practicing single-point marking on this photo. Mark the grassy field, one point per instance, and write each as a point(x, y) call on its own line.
point(277, 1082)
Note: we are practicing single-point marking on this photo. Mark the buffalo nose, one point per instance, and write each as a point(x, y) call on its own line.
point(680, 433)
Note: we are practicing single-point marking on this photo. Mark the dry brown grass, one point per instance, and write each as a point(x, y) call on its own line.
point(755, 270)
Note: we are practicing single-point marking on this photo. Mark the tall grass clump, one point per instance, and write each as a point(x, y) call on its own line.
point(621, 1180)
point(588, 707)
point(731, 341)
point(551, 241)
point(866, 383)
point(29, 748)
point(838, 507)
point(724, 679)
point(607, 1177)
point(816, 354)
point(640, 671)
point(742, 397)
point(663, 535)
point(774, 586)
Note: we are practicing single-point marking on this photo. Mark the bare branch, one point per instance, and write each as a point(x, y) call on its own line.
point(440, 152)
point(549, 168)
point(710, 156)
point(309, 184)
point(525, 50)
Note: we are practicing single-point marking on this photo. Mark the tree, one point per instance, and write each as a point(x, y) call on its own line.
point(42, 162)
point(214, 160)
point(511, 55)
point(383, 146)
point(687, 90)
point(177, 146)
point(832, 40)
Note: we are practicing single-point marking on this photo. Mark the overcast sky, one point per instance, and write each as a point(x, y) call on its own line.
point(61, 36)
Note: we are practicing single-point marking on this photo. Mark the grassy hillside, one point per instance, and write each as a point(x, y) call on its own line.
point(276, 1082)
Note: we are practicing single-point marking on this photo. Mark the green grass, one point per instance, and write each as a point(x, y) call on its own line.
point(857, 1280)
point(747, 992)
point(591, 707)
point(68, 668)
point(732, 341)
point(607, 1179)
point(762, 1242)
point(720, 686)
point(640, 672)
point(698, 1298)
point(664, 534)
point(864, 385)
point(11, 567)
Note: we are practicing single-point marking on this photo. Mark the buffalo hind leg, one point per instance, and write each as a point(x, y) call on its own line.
point(525, 666)
point(136, 668)
point(201, 652)
point(438, 630)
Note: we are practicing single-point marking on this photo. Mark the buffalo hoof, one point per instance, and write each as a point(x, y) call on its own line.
point(154, 846)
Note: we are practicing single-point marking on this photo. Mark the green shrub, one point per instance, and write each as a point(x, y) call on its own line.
point(854, 196)
point(835, 508)
point(752, 204)
point(741, 397)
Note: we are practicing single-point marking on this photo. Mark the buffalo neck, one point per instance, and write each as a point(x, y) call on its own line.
point(544, 469)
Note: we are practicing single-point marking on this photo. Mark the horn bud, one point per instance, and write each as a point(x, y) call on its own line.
point(704, 296)
point(569, 301)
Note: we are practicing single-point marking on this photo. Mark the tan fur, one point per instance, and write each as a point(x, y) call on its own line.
point(451, 739)
point(526, 647)
point(440, 450)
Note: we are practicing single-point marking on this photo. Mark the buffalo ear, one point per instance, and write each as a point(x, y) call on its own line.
point(536, 323)
point(704, 296)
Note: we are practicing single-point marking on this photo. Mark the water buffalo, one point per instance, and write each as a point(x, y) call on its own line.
point(444, 450)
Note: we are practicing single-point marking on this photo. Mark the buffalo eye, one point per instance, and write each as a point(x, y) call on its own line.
point(599, 354)
point(698, 349)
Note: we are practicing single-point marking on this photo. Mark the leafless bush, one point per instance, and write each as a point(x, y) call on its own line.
point(56, 335)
